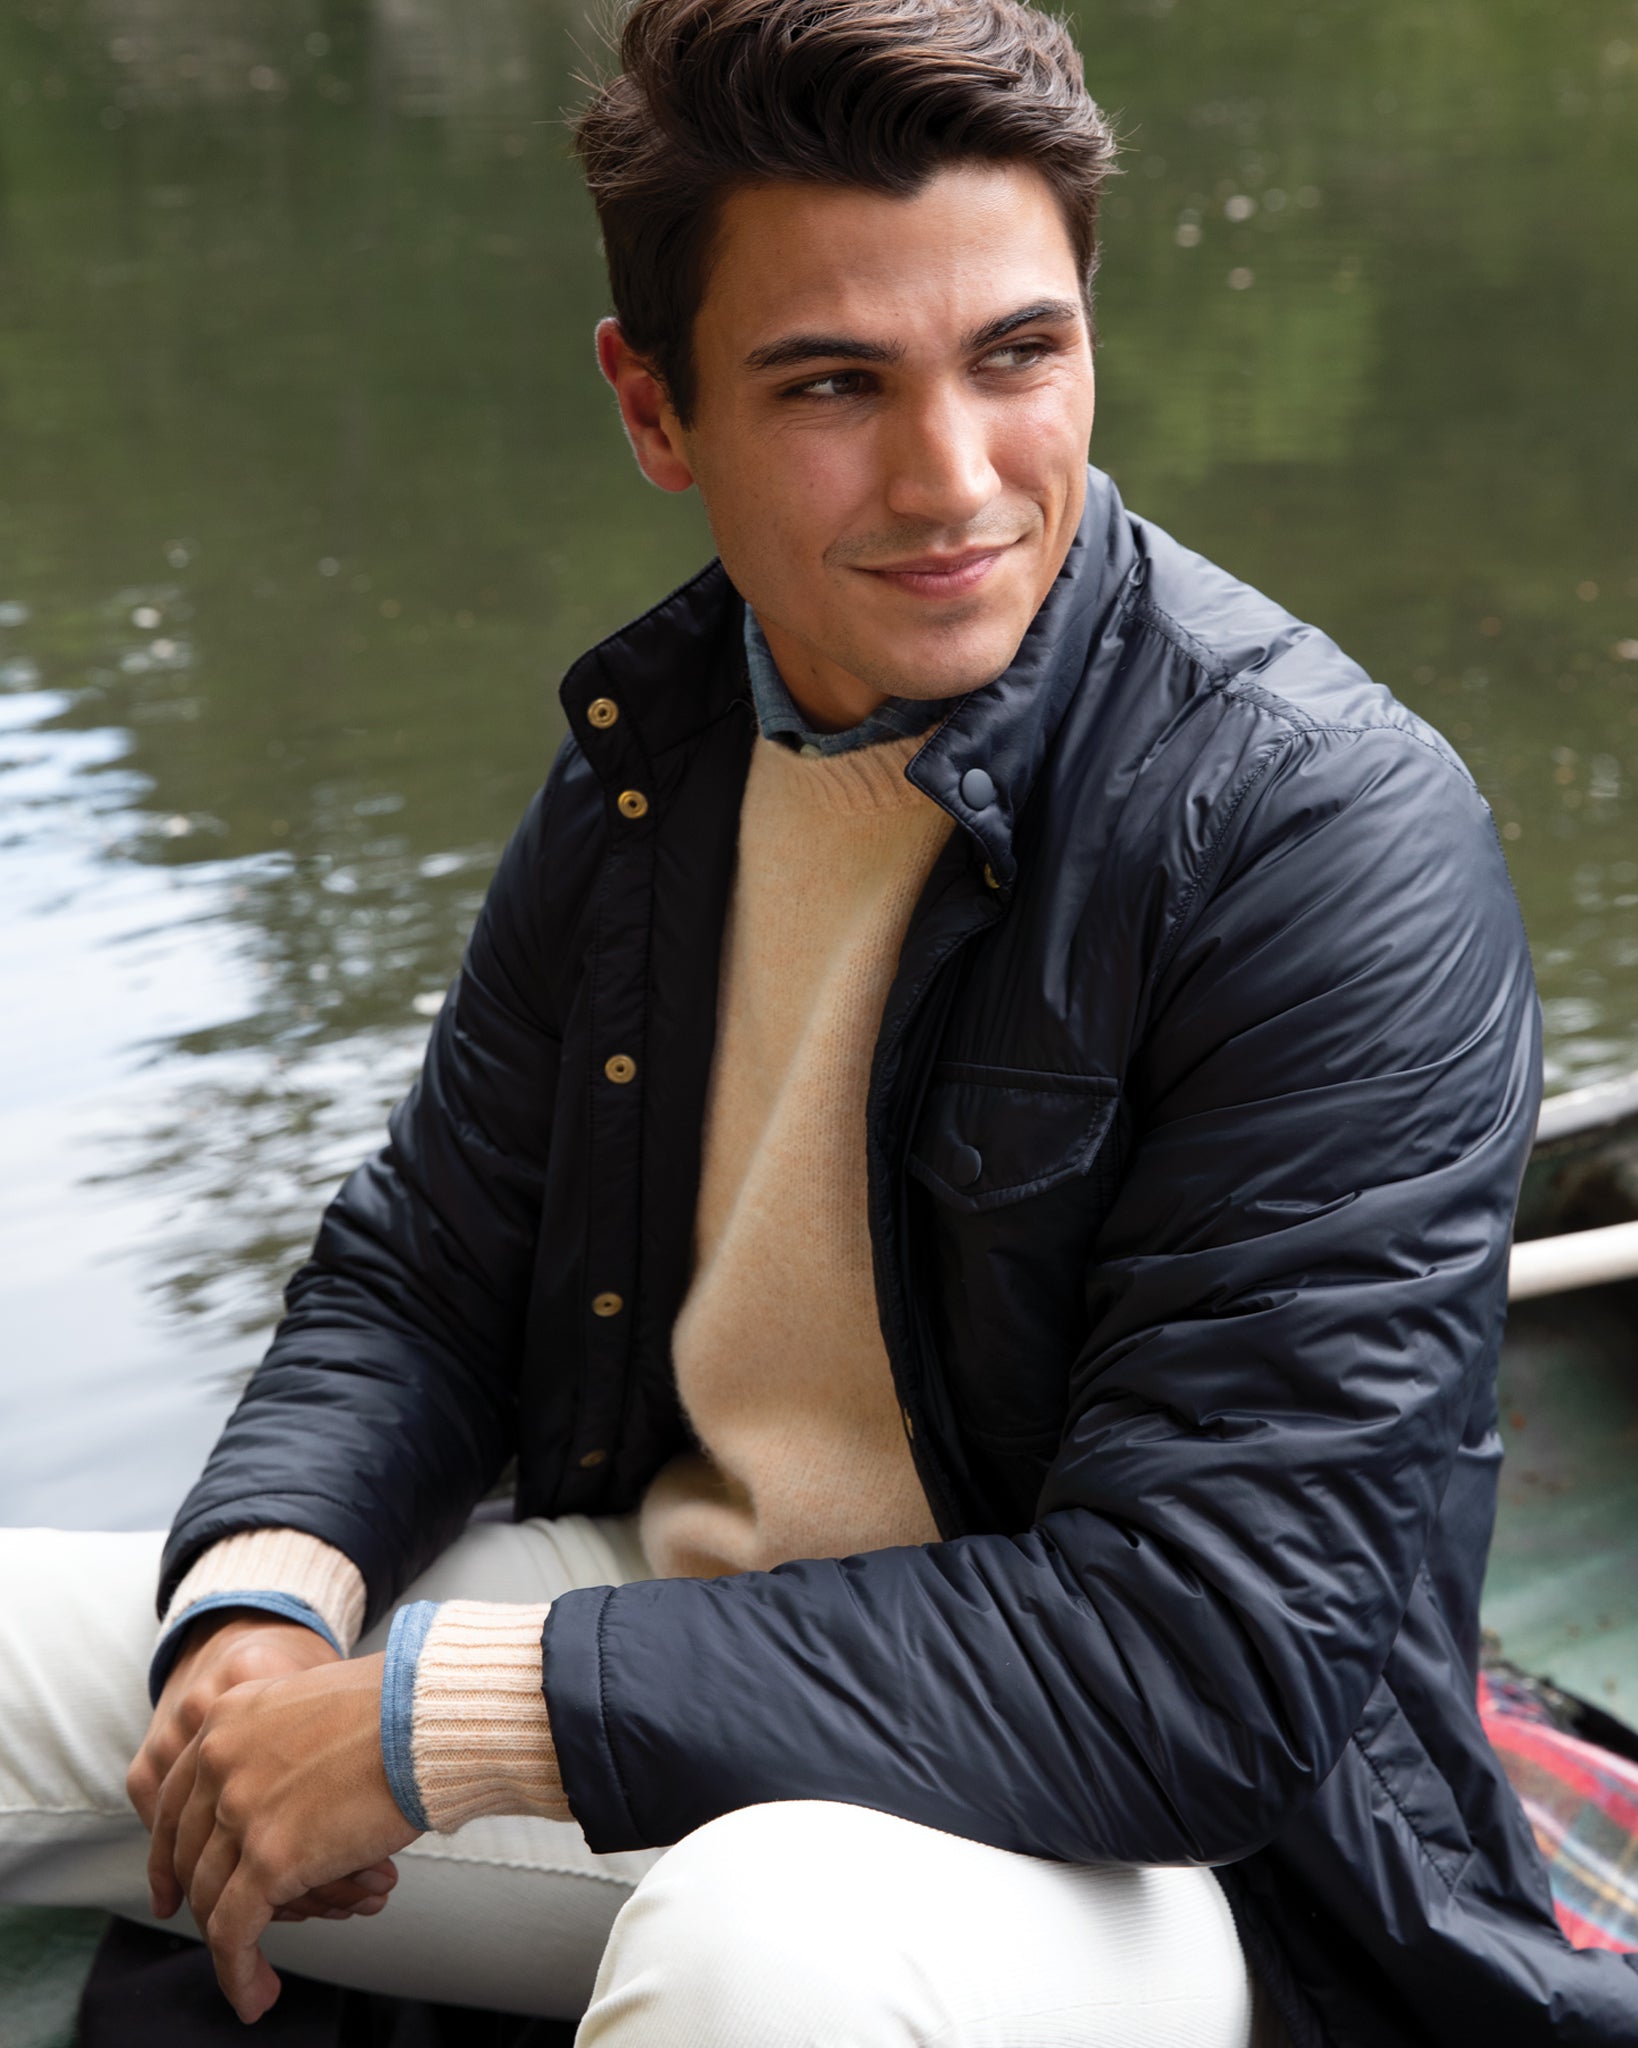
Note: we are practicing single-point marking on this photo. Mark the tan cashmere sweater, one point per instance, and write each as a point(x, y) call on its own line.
point(277, 1561)
point(778, 1353)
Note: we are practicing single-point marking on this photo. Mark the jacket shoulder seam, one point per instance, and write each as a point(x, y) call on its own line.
point(1336, 728)
point(1226, 681)
point(1146, 612)
point(1250, 780)
point(1285, 744)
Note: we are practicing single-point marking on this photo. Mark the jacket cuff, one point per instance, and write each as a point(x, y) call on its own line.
point(594, 1792)
point(464, 1726)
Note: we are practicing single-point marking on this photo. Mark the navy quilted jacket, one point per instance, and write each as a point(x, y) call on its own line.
point(1195, 1125)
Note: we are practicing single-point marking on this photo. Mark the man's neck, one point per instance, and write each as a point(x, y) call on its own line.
point(782, 718)
point(829, 699)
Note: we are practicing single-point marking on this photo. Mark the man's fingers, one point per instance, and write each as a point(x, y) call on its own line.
point(365, 1891)
point(170, 1731)
point(286, 1798)
point(164, 1743)
point(209, 1875)
point(196, 1826)
point(164, 1892)
point(142, 1783)
point(304, 1909)
point(248, 1980)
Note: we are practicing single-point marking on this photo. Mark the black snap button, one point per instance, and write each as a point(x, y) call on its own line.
point(977, 790)
point(966, 1164)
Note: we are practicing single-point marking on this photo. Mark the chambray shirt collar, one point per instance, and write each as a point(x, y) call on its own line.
point(779, 719)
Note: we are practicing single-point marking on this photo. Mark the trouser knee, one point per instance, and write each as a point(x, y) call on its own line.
point(746, 1935)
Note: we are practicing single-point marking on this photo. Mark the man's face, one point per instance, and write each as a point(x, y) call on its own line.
point(894, 398)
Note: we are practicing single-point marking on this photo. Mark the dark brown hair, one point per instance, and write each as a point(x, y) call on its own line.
point(717, 94)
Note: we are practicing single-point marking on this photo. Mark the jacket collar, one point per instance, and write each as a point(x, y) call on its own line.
point(671, 673)
point(681, 667)
point(1004, 731)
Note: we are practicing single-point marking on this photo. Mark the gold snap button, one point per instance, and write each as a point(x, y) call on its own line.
point(632, 803)
point(621, 1069)
point(607, 1304)
point(602, 711)
point(909, 1426)
point(592, 1458)
point(990, 881)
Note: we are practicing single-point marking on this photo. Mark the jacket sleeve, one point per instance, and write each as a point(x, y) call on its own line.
point(1291, 1307)
point(385, 1407)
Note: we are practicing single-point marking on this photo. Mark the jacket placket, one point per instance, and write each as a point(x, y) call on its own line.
point(617, 1076)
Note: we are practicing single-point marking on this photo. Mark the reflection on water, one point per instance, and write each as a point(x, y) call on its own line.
point(307, 497)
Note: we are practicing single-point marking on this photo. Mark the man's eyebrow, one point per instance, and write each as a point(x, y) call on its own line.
point(1050, 311)
point(792, 349)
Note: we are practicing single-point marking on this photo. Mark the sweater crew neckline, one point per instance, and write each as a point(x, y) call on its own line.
point(864, 781)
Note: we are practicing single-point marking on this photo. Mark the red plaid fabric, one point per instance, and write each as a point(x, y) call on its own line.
point(1582, 1802)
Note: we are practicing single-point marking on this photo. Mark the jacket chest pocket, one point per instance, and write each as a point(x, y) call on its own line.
point(990, 1136)
point(1020, 1169)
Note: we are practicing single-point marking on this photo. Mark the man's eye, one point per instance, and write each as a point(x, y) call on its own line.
point(1017, 355)
point(838, 384)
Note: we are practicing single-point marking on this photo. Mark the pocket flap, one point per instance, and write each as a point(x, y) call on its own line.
point(989, 1135)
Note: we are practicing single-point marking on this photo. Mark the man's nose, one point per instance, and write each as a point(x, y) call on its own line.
point(938, 459)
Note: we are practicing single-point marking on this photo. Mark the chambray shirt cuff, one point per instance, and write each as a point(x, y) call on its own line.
point(410, 1626)
point(285, 1605)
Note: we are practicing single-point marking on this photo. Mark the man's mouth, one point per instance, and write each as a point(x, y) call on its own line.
point(941, 575)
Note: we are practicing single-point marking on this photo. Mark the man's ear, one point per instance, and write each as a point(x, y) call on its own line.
point(651, 426)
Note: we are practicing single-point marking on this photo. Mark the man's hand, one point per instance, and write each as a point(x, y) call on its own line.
point(280, 1793)
point(226, 1648)
point(222, 1649)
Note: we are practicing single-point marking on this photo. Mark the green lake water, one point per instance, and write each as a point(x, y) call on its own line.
point(308, 493)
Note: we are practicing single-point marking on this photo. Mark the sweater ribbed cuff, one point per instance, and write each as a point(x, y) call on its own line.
point(286, 1561)
point(480, 1741)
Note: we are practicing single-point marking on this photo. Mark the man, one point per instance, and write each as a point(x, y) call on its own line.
point(970, 1166)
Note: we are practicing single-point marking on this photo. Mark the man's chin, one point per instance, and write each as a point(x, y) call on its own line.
point(926, 665)
point(911, 645)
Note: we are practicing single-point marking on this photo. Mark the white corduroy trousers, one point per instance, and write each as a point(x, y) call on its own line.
point(800, 1923)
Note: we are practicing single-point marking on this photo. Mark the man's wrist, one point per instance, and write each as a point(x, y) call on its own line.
point(215, 1610)
point(464, 1727)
